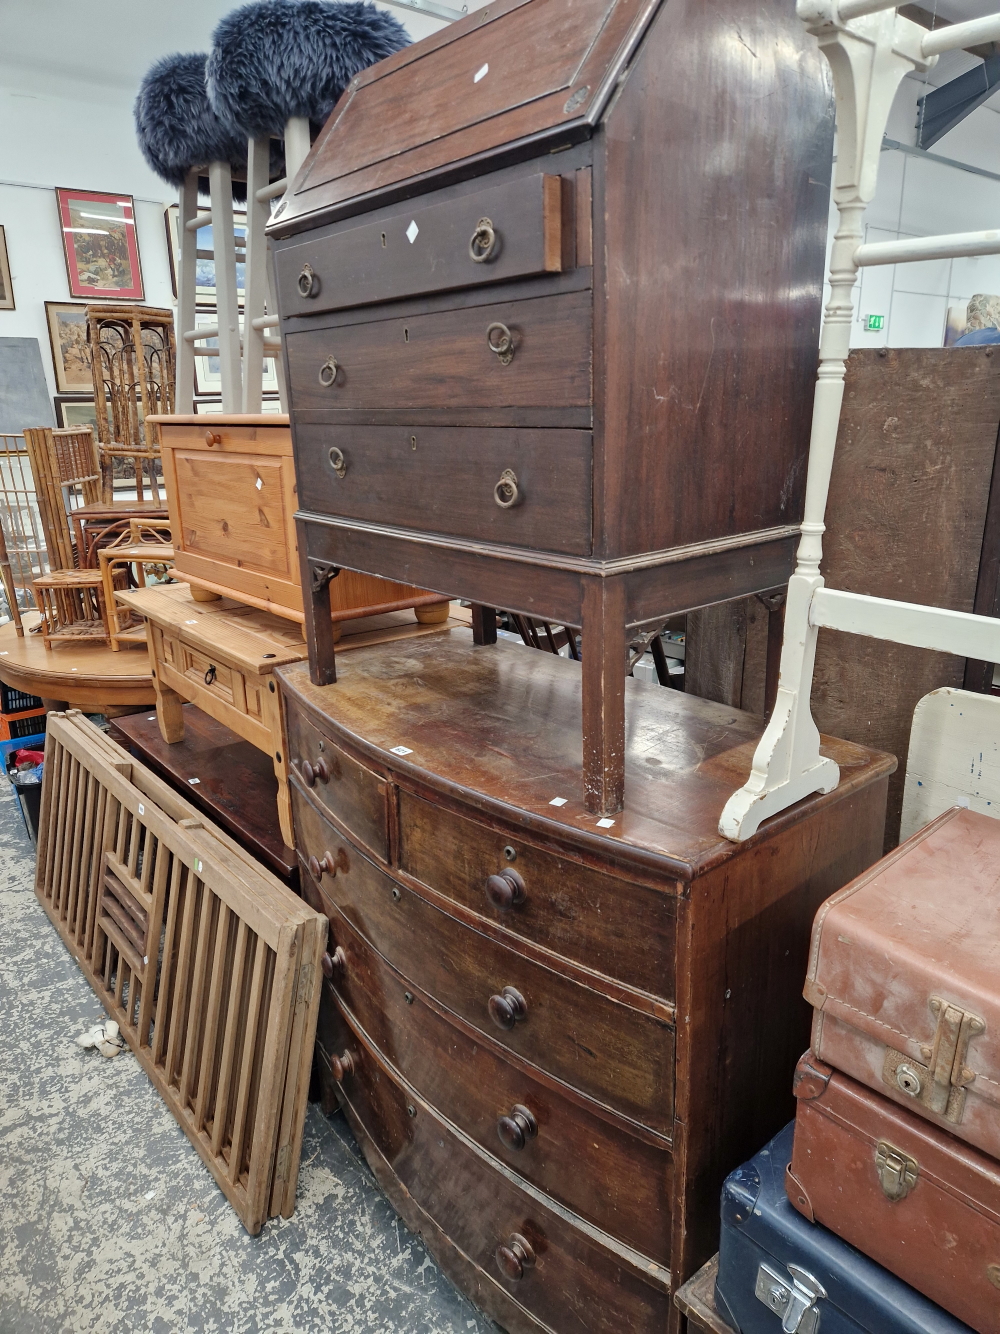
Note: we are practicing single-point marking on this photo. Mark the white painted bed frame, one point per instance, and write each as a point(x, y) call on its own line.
point(241, 358)
point(870, 49)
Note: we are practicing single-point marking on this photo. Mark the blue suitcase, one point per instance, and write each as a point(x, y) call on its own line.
point(779, 1272)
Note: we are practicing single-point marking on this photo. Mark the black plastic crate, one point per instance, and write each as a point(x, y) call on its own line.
point(16, 701)
point(27, 726)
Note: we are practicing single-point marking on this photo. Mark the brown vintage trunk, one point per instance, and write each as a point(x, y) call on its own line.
point(918, 1201)
point(904, 976)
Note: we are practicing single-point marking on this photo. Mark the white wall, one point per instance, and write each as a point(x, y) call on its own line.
point(918, 196)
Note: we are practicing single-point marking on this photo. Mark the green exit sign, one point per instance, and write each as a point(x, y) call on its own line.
point(874, 322)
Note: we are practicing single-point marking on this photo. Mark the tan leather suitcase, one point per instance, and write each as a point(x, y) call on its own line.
point(921, 1203)
point(904, 975)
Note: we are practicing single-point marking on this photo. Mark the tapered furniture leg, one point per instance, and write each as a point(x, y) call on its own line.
point(484, 624)
point(603, 636)
point(316, 576)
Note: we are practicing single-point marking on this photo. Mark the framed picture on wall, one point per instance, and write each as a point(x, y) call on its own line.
point(67, 321)
point(205, 270)
point(6, 286)
point(99, 241)
point(77, 412)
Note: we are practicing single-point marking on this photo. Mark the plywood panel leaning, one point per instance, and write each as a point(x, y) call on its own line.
point(208, 964)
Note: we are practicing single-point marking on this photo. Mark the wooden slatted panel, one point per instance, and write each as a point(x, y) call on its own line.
point(209, 964)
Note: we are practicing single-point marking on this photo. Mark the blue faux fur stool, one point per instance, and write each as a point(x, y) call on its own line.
point(279, 60)
point(176, 125)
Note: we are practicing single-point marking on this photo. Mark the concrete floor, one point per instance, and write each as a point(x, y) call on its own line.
point(108, 1220)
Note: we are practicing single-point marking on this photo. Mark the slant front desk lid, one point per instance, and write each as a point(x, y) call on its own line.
point(509, 76)
point(499, 727)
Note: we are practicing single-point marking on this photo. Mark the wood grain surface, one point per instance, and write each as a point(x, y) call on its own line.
point(906, 520)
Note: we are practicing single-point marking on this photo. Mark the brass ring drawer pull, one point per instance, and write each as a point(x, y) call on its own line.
point(508, 1008)
point(328, 372)
point(514, 1258)
point(337, 461)
point(308, 282)
point(502, 346)
point(483, 245)
point(516, 1128)
point(505, 493)
point(506, 889)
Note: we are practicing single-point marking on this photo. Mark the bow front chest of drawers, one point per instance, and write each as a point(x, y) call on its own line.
point(550, 287)
point(554, 1039)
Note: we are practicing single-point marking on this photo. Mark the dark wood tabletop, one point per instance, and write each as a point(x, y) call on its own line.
point(236, 784)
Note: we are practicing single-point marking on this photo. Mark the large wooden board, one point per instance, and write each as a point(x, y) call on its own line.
point(906, 520)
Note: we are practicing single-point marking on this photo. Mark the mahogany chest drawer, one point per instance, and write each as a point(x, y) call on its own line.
point(433, 244)
point(615, 1180)
point(487, 1215)
point(620, 1056)
point(615, 927)
point(350, 793)
point(529, 488)
point(515, 354)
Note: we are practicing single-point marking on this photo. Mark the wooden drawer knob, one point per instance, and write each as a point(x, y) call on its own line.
point(343, 1065)
point(508, 1008)
point(514, 1258)
point(330, 963)
point(212, 438)
point(517, 1128)
point(319, 867)
point(506, 889)
point(310, 772)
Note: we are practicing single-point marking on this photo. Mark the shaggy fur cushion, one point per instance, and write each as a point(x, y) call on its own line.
point(176, 125)
point(282, 58)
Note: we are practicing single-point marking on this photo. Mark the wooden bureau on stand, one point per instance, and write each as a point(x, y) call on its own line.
point(552, 1036)
point(550, 287)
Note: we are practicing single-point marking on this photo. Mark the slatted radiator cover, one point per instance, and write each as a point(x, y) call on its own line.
point(207, 962)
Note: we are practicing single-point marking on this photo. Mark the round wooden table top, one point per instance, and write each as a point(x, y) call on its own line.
point(85, 675)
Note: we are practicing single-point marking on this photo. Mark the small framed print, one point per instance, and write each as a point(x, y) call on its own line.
point(77, 412)
point(6, 286)
point(99, 241)
point(208, 371)
point(205, 268)
point(67, 321)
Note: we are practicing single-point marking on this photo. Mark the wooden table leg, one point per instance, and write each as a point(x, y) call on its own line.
point(169, 705)
point(274, 717)
point(604, 647)
point(316, 576)
point(484, 624)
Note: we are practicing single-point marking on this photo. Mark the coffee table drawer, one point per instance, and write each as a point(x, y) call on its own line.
point(455, 480)
point(616, 927)
point(432, 244)
point(450, 358)
point(615, 1180)
point(619, 1056)
point(481, 1210)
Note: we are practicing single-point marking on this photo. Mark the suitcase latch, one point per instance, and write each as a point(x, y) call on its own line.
point(793, 1295)
point(940, 1084)
point(897, 1171)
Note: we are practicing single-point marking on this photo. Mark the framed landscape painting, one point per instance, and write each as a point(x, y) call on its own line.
point(102, 253)
point(78, 412)
point(205, 268)
point(6, 287)
point(67, 323)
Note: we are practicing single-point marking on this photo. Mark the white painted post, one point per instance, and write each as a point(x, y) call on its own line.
point(187, 273)
point(256, 289)
point(226, 297)
point(869, 59)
